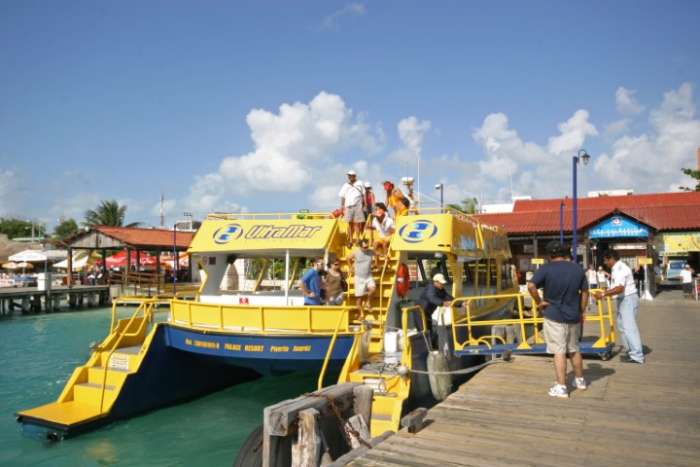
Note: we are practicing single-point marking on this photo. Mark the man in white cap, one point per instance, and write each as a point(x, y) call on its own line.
point(352, 199)
point(433, 296)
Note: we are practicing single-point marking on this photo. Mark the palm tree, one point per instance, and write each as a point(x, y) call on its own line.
point(467, 206)
point(107, 213)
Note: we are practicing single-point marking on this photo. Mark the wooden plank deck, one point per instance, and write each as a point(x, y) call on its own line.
point(631, 415)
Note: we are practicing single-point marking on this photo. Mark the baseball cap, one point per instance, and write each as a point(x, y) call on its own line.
point(351, 172)
point(368, 185)
point(439, 278)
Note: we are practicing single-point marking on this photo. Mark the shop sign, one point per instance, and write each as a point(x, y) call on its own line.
point(679, 242)
point(618, 227)
point(538, 261)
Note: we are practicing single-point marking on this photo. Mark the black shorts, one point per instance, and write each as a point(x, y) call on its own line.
point(688, 287)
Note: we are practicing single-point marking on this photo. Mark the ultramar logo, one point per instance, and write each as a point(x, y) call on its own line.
point(417, 231)
point(231, 232)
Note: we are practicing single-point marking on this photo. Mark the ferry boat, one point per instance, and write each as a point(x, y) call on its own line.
point(222, 337)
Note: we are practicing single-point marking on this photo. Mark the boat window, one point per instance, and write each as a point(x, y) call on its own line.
point(506, 277)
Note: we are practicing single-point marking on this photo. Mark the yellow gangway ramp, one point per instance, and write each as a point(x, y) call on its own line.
point(92, 389)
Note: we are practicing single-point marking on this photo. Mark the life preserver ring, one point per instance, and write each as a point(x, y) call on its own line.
point(403, 280)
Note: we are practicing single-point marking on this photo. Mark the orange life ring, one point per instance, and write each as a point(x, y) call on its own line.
point(403, 280)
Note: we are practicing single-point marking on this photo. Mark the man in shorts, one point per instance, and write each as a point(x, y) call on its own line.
point(361, 259)
point(352, 202)
point(565, 300)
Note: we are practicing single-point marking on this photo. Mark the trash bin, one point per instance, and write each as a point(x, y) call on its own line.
point(43, 281)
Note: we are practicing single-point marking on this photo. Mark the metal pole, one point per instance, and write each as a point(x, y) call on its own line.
point(561, 223)
point(286, 277)
point(176, 259)
point(574, 247)
point(442, 189)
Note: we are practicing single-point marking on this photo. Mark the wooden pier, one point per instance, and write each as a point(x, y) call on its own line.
point(31, 300)
point(631, 415)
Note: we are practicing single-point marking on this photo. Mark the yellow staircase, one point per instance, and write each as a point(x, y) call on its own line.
point(369, 366)
point(93, 388)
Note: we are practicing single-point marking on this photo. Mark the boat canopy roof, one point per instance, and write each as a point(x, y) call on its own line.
point(449, 232)
point(303, 234)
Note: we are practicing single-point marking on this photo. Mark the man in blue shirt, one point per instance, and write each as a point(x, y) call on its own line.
point(565, 300)
point(311, 283)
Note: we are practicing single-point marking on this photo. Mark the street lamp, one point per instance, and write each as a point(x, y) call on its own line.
point(440, 187)
point(584, 158)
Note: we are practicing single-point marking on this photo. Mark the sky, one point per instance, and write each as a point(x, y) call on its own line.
point(223, 106)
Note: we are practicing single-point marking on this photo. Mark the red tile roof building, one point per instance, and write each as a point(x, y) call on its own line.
point(661, 211)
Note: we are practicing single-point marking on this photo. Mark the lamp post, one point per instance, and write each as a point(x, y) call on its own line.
point(584, 158)
point(561, 223)
point(441, 187)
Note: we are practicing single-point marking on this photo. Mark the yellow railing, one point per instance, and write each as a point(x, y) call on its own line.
point(607, 333)
point(329, 352)
point(146, 307)
point(267, 215)
point(313, 320)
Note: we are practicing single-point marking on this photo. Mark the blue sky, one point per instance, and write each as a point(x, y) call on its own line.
point(129, 99)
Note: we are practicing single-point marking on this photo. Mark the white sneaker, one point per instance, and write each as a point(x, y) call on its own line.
point(559, 390)
point(580, 383)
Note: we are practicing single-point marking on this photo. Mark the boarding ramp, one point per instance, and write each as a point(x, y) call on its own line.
point(522, 332)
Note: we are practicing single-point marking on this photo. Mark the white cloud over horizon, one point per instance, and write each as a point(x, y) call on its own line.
point(652, 161)
point(301, 151)
point(351, 9)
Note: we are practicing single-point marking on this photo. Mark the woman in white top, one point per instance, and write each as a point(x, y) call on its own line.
point(687, 280)
point(383, 225)
point(602, 278)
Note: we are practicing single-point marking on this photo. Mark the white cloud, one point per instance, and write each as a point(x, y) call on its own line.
point(573, 133)
point(411, 133)
point(351, 9)
point(169, 206)
point(652, 161)
point(626, 103)
point(617, 127)
point(528, 167)
point(74, 206)
point(292, 148)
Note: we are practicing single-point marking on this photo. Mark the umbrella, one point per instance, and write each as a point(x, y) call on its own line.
point(25, 265)
point(9, 265)
point(118, 260)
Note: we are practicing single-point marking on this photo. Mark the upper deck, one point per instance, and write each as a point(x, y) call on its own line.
point(305, 234)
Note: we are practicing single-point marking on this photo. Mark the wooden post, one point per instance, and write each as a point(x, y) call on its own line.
point(306, 449)
point(69, 281)
point(362, 401)
point(104, 265)
point(125, 276)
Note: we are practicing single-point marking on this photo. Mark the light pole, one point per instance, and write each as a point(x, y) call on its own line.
point(441, 187)
point(583, 157)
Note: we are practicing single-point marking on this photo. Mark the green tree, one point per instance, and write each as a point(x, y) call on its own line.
point(694, 174)
point(65, 229)
point(467, 206)
point(13, 228)
point(109, 213)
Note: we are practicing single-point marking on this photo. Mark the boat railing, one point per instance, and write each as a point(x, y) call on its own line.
point(331, 346)
point(522, 321)
point(313, 320)
point(145, 307)
point(300, 215)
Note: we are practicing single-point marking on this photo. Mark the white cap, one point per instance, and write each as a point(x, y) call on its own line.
point(439, 278)
point(368, 185)
point(351, 172)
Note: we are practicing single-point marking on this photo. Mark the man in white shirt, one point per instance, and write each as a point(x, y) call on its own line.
point(687, 280)
point(622, 286)
point(352, 196)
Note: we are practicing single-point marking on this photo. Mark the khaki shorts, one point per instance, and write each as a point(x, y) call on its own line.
point(361, 286)
point(561, 337)
point(355, 214)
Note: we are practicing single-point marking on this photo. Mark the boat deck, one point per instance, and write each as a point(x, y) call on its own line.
point(630, 415)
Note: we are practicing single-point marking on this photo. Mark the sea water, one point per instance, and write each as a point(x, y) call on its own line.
point(40, 352)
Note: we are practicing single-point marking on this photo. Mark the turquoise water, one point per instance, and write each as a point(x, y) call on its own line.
point(39, 354)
